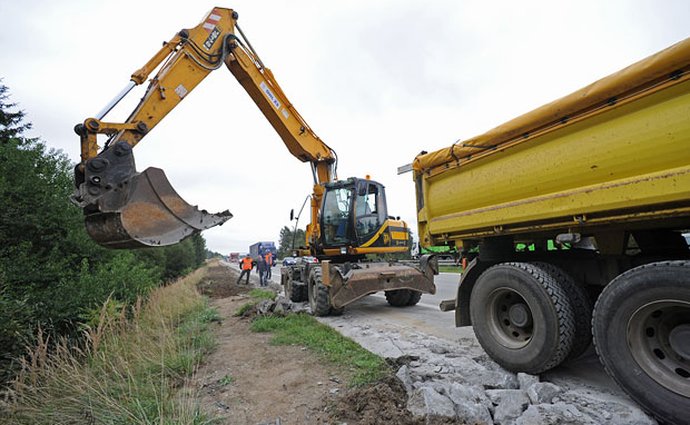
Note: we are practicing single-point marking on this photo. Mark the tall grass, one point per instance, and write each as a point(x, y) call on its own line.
point(131, 369)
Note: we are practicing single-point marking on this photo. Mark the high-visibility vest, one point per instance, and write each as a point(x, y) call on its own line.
point(269, 259)
point(246, 263)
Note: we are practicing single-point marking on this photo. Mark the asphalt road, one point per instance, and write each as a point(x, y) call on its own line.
point(425, 316)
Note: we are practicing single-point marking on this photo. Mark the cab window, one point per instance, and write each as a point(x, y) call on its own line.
point(369, 210)
point(336, 208)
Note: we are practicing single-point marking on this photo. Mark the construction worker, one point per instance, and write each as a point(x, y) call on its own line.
point(269, 263)
point(246, 264)
point(261, 268)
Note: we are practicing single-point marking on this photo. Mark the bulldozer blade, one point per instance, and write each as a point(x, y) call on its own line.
point(146, 211)
point(368, 278)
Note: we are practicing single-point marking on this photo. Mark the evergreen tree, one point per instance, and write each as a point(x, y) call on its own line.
point(289, 240)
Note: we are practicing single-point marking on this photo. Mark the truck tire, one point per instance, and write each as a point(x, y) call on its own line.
point(522, 317)
point(319, 299)
point(398, 297)
point(415, 296)
point(581, 305)
point(641, 328)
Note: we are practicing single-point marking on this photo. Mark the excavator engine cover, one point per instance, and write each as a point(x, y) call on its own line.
point(126, 209)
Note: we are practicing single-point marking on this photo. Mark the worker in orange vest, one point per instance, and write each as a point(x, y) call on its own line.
point(246, 264)
point(269, 263)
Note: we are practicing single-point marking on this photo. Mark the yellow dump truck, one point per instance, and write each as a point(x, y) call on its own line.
point(574, 218)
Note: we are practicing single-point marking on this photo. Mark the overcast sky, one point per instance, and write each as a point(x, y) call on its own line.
point(379, 81)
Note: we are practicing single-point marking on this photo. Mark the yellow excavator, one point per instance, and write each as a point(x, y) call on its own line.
point(349, 218)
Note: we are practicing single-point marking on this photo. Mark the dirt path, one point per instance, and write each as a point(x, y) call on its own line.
point(246, 380)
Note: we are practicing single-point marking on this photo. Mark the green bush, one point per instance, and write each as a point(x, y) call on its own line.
point(51, 273)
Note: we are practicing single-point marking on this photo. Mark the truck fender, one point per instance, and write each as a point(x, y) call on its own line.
point(462, 300)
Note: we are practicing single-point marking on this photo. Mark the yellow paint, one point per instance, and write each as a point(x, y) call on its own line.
point(628, 159)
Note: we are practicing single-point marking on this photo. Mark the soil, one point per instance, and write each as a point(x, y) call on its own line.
point(247, 380)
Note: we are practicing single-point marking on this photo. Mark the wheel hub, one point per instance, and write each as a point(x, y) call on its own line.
point(659, 338)
point(510, 318)
point(679, 339)
point(519, 315)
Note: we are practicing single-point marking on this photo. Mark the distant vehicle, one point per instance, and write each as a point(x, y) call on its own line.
point(289, 261)
point(261, 248)
point(307, 259)
point(234, 257)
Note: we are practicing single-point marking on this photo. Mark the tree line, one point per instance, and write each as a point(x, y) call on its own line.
point(52, 275)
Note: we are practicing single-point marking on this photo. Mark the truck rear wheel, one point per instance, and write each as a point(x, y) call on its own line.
point(582, 308)
point(522, 317)
point(642, 336)
point(319, 298)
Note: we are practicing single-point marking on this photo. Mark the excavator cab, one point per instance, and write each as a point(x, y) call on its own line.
point(353, 214)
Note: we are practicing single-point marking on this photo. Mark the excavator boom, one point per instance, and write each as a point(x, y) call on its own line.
point(125, 208)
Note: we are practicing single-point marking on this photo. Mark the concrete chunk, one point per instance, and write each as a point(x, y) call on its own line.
point(426, 402)
point(543, 392)
point(526, 380)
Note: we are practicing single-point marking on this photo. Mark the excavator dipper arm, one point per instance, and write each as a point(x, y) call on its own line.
point(126, 209)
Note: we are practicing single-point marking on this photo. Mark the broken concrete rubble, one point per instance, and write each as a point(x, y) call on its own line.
point(480, 390)
point(459, 382)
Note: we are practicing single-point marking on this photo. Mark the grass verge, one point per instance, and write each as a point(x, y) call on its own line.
point(130, 370)
point(304, 330)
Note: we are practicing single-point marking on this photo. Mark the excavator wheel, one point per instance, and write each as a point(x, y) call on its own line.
point(415, 296)
point(296, 293)
point(319, 299)
point(401, 297)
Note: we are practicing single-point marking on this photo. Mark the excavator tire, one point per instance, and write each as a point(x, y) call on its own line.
point(319, 299)
point(399, 297)
point(415, 296)
point(300, 293)
point(292, 292)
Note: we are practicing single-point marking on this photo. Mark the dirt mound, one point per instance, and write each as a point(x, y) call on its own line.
point(380, 403)
point(221, 282)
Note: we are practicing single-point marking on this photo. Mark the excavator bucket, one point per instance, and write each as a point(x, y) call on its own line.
point(125, 209)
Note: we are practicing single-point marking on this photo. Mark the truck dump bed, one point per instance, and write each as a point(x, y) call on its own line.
point(612, 153)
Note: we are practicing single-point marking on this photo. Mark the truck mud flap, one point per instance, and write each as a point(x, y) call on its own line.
point(350, 285)
point(146, 211)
